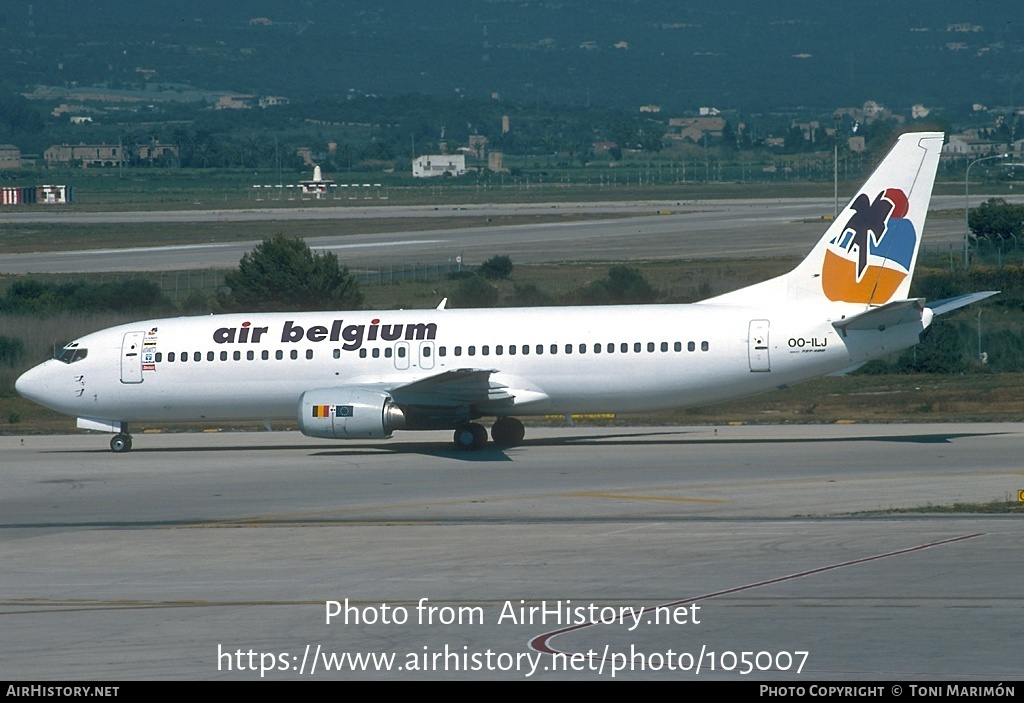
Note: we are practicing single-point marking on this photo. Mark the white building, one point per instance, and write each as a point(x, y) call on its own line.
point(430, 165)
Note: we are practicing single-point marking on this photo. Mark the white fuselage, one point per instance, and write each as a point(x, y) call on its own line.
point(255, 366)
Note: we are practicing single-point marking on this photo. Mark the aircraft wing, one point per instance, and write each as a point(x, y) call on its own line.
point(456, 388)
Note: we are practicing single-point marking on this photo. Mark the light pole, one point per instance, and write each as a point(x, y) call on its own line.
point(838, 122)
point(967, 200)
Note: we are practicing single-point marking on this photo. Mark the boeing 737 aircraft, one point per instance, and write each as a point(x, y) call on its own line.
point(363, 375)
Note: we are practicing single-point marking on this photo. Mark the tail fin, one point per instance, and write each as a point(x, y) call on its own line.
point(868, 255)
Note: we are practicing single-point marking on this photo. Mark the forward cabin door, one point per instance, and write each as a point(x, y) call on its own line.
point(131, 357)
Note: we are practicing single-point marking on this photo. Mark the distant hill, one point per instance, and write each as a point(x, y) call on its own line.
point(727, 53)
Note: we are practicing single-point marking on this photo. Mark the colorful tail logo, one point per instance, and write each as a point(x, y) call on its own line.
point(874, 253)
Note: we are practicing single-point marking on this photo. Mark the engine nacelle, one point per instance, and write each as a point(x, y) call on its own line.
point(349, 412)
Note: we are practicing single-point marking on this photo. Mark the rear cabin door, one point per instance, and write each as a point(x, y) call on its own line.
point(757, 346)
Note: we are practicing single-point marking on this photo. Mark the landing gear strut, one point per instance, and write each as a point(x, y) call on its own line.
point(470, 436)
point(507, 432)
point(121, 443)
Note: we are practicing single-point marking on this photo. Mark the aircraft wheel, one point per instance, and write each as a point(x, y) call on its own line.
point(507, 432)
point(121, 443)
point(470, 436)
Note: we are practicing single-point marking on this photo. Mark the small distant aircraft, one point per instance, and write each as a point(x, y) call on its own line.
point(364, 375)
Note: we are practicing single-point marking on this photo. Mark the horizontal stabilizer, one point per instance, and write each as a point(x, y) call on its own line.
point(898, 312)
point(940, 307)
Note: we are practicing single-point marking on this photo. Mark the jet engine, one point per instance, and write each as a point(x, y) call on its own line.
point(349, 412)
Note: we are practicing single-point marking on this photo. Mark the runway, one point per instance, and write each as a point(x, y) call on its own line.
point(219, 556)
point(690, 230)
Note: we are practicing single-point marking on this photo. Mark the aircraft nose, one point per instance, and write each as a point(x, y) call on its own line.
point(32, 384)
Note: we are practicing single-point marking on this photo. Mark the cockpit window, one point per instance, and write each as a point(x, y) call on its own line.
point(71, 353)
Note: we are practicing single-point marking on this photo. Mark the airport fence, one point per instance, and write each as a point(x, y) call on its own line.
point(178, 285)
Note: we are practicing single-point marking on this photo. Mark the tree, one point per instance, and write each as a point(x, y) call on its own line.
point(996, 220)
point(623, 286)
point(496, 267)
point(283, 274)
point(474, 292)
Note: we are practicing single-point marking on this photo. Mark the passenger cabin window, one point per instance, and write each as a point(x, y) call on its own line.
point(223, 356)
point(171, 356)
point(703, 346)
point(210, 356)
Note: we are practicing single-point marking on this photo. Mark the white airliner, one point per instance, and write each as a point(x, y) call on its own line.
point(363, 375)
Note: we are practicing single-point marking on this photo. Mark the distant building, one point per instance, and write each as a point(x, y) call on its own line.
point(235, 102)
point(694, 129)
point(10, 157)
point(810, 130)
point(969, 144)
point(432, 165)
point(496, 162)
point(152, 152)
point(85, 155)
point(103, 155)
point(273, 101)
point(478, 144)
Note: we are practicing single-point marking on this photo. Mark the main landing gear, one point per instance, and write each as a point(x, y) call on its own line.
point(121, 443)
point(505, 432)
